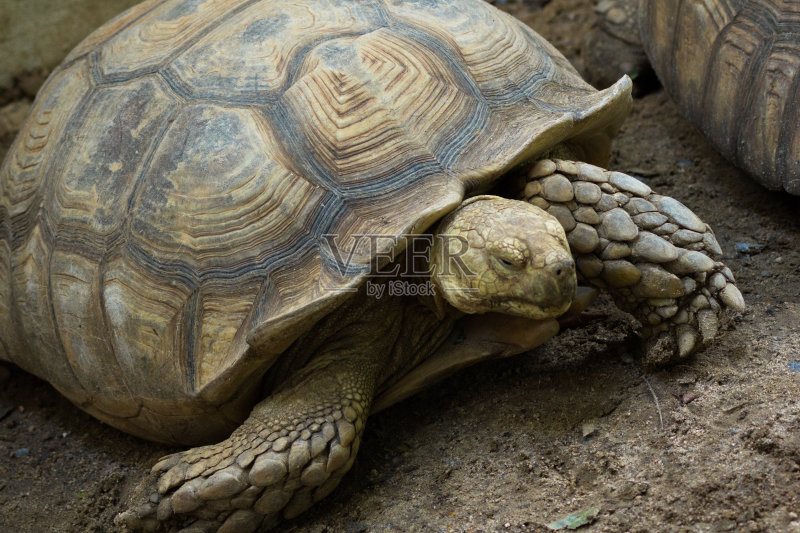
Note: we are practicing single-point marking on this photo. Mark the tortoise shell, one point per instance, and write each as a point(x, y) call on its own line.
point(165, 206)
point(733, 66)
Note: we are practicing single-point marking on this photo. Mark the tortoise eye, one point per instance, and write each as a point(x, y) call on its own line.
point(510, 263)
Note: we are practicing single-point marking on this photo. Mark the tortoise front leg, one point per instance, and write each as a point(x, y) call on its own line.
point(658, 260)
point(291, 451)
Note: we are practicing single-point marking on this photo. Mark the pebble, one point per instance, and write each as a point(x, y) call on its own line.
point(748, 248)
point(679, 213)
point(21, 452)
point(621, 273)
point(587, 193)
point(617, 225)
point(557, 188)
point(629, 183)
point(583, 239)
point(653, 248)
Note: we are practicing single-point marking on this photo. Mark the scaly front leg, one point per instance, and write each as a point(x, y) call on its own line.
point(294, 447)
point(658, 260)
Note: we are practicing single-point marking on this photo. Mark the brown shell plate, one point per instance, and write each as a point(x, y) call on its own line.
point(733, 66)
point(164, 207)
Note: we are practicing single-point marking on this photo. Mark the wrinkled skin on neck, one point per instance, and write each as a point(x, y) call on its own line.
point(493, 254)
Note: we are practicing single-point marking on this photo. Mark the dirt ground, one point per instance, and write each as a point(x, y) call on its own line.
point(513, 445)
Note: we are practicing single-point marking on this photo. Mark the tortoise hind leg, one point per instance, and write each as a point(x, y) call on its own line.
point(291, 451)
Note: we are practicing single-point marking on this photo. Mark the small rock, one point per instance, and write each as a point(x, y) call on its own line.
point(748, 248)
point(588, 428)
point(22, 452)
point(684, 163)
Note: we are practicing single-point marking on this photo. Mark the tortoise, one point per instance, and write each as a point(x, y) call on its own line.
point(733, 68)
point(207, 204)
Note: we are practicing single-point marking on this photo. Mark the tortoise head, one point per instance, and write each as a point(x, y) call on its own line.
point(506, 256)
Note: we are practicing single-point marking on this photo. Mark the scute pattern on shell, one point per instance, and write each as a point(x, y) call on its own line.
point(163, 208)
point(733, 66)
